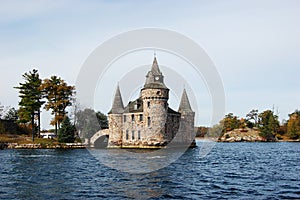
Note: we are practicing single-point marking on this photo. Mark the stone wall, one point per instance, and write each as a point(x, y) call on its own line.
point(115, 130)
point(172, 125)
point(186, 133)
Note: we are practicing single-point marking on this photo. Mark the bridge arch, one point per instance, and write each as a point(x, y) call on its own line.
point(99, 139)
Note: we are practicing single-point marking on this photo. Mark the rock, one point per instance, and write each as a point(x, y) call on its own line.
point(242, 135)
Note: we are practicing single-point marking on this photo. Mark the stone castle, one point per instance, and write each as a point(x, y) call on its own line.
point(149, 122)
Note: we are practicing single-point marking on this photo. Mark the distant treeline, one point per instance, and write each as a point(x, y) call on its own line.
point(266, 122)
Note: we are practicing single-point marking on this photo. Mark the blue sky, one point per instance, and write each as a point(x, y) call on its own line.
point(255, 45)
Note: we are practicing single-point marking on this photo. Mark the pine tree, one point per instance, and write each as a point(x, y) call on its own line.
point(268, 124)
point(31, 98)
point(67, 131)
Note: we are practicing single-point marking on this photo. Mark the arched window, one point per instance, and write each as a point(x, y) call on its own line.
point(148, 104)
point(132, 136)
point(141, 117)
point(127, 135)
point(132, 117)
point(149, 121)
point(139, 135)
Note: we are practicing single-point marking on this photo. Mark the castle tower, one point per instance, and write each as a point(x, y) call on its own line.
point(115, 117)
point(155, 97)
point(186, 127)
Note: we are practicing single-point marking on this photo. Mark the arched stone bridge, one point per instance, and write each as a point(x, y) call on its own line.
point(99, 139)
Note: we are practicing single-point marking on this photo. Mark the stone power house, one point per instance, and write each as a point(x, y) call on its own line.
point(149, 122)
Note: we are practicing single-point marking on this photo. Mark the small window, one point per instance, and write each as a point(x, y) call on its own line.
point(132, 135)
point(149, 121)
point(141, 117)
point(124, 118)
point(132, 117)
point(139, 135)
point(148, 103)
point(127, 135)
point(158, 92)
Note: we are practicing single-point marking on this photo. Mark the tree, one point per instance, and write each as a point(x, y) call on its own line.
point(89, 122)
point(102, 120)
point(59, 96)
point(268, 124)
point(11, 114)
point(67, 131)
point(31, 98)
point(230, 122)
point(293, 125)
point(1, 110)
point(252, 115)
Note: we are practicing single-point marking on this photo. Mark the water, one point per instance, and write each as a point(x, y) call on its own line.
point(230, 171)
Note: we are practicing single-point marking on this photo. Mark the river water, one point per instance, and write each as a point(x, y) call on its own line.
point(229, 171)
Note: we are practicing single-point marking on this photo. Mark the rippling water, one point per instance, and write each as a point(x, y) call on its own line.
point(229, 171)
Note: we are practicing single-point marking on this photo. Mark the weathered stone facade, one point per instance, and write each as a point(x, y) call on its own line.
point(149, 122)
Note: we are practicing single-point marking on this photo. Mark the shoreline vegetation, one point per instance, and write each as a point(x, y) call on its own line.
point(20, 128)
point(24, 141)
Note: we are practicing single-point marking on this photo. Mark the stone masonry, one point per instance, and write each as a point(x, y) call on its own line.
point(149, 122)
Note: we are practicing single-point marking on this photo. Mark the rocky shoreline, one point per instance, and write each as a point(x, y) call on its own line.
point(242, 135)
point(42, 146)
point(249, 135)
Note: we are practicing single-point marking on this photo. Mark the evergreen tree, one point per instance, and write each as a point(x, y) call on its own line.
point(59, 97)
point(66, 132)
point(31, 98)
point(268, 124)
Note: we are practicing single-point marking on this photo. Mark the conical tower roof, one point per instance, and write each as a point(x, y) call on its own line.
point(154, 78)
point(117, 106)
point(184, 103)
point(155, 69)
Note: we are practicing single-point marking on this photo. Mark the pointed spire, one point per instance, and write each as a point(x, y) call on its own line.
point(155, 69)
point(154, 78)
point(117, 106)
point(185, 103)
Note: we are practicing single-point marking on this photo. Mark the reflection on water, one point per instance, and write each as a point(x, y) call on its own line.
point(231, 171)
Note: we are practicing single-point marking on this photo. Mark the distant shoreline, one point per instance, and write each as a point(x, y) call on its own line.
point(4, 145)
point(213, 139)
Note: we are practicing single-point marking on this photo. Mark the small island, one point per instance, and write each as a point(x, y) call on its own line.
point(255, 127)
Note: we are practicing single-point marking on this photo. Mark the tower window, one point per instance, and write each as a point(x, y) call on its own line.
point(158, 92)
point(141, 117)
point(127, 135)
point(124, 118)
point(139, 135)
point(132, 136)
point(149, 121)
point(148, 104)
point(132, 117)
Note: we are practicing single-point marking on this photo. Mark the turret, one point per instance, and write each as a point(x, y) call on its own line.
point(115, 120)
point(155, 97)
point(186, 128)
